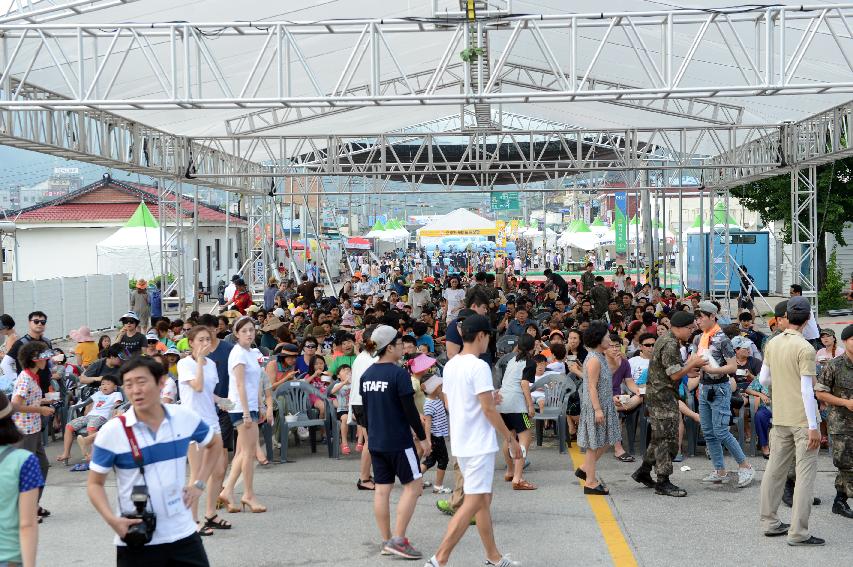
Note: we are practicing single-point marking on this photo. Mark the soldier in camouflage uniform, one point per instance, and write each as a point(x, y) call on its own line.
point(666, 369)
point(835, 388)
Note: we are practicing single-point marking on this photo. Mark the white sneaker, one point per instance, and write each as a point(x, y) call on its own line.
point(745, 476)
point(441, 490)
point(433, 562)
point(302, 432)
point(716, 478)
point(504, 562)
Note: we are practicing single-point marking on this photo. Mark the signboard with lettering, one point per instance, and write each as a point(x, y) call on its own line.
point(620, 222)
point(504, 201)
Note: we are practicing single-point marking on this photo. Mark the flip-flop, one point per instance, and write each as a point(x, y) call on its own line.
point(80, 467)
point(625, 458)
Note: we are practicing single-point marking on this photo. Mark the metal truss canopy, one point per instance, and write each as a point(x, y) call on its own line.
point(763, 49)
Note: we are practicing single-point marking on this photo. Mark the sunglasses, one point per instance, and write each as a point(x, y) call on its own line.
point(310, 346)
point(39, 321)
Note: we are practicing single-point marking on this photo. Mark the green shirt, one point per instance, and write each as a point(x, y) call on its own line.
point(10, 488)
point(339, 361)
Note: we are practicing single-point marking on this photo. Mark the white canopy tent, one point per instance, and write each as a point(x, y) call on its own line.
point(134, 249)
point(460, 222)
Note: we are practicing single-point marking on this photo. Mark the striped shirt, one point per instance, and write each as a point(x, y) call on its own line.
point(435, 409)
point(164, 455)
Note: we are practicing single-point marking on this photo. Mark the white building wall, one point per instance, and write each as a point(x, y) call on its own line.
point(44, 252)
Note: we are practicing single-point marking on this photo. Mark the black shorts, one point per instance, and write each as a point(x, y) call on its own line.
point(342, 414)
point(360, 418)
point(390, 464)
point(187, 552)
point(438, 455)
point(227, 428)
point(517, 422)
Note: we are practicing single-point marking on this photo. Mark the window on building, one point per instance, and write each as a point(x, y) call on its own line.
point(230, 254)
point(216, 252)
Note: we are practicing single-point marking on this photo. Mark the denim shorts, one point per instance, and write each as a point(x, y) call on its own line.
point(237, 418)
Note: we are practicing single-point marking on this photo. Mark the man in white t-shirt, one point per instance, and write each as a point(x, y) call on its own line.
point(474, 423)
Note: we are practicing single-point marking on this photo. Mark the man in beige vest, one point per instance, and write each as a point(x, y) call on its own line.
point(789, 360)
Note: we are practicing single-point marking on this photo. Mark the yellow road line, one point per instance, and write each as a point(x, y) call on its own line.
point(617, 545)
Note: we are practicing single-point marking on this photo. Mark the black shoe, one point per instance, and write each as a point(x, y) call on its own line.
point(816, 501)
point(842, 508)
point(666, 488)
point(788, 495)
point(580, 473)
point(599, 490)
point(806, 542)
point(643, 477)
point(782, 529)
point(43, 513)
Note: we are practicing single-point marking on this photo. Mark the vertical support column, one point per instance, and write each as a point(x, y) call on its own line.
point(804, 230)
point(196, 263)
point(172, 249)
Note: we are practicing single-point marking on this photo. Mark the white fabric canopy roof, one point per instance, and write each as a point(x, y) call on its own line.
point(618, 61)
point(580, 240)
point(134, 251)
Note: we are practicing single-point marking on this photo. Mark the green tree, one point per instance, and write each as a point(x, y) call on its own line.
point(831, 294)
point(771, 199)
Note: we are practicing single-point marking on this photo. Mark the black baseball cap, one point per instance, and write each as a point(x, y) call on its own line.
point(681, 319)
point(475, 324)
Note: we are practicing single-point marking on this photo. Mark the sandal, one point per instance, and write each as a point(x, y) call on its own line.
point(508, 477)
point(523, 485)
point(362, 484)
point(204, 531)
point(229, 506)
point(43, 512)
point(359, 447)
point(216, 523)
point(80, 467)
point(580, 473)
point(625, 457)
point(345, 450)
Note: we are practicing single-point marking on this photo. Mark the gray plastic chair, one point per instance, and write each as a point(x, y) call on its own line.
point(506, 343)
point(556, 402)
point(292, 397)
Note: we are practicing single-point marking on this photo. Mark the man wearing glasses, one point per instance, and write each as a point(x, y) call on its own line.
point(36, 323)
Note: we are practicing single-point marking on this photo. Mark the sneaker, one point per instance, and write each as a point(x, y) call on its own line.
point(441, 489)
point(505, 561)
point(716, 478)
point(745, 476)
point(432, 562)
point(444, 507)
point(400, 546)
point(678, 458)
point(302, 432)
point(382, 550)
point(427, 484)
point(780, 530)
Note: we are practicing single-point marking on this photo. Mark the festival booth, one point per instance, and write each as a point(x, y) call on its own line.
point(459, 230)
point(134, 249)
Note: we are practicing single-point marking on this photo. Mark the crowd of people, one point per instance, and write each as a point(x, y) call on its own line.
point(422, 368)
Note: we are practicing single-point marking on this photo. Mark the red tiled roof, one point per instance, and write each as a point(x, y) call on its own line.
point(109, 200)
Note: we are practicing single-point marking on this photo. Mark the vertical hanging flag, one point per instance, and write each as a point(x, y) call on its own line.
point(620, 224)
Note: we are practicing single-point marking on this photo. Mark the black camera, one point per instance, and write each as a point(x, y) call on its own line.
point(140, 534)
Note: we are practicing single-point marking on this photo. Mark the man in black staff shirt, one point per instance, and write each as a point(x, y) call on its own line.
point(388, 400)
point(559, 283)
point(36, 321)
point(131, 339)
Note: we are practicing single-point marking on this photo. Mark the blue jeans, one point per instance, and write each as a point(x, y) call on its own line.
point(715, 417)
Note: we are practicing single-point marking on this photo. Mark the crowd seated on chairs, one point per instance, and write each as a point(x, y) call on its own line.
point(310, 346)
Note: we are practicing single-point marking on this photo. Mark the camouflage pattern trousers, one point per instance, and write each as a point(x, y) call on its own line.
point(663, 447)
point(842, 458)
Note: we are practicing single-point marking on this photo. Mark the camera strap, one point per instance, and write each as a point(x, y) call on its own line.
point(135, 452)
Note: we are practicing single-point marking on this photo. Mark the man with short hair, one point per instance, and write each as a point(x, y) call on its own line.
point(835, 389)
point(600, 296)
point(36, 323)
point(147, 448)
point(666, 370)
point(474, 421)
point(715, 396)
point(516, 326)
point(390, 416)
point(559, 284)
point(131, 339)
point(107, 366)
point(789, 362)
point(418, 297)
point(810, 332)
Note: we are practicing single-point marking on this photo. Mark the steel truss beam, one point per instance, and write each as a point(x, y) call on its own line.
point(514, 74)
point(173, 247)
point(804, 233)
point(755, 44)
point(49, 10)
point(110, 140)
point(821, 138)
point(453, 158)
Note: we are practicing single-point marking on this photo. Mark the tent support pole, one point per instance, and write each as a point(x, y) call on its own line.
point(196, 260)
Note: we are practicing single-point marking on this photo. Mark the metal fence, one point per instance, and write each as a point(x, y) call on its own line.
point(95, 301)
